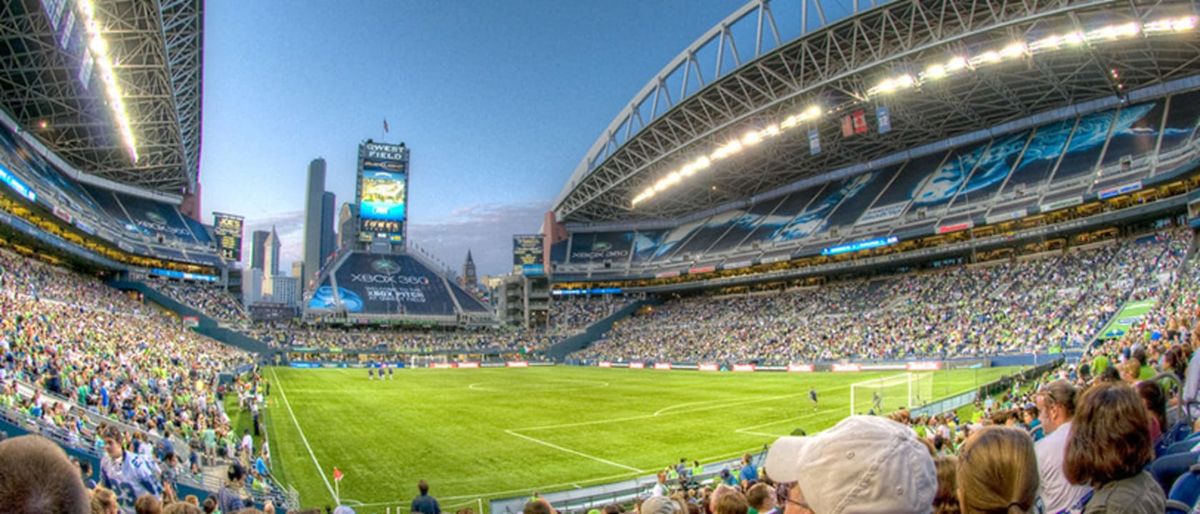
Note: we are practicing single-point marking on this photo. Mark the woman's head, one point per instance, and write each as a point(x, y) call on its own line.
point(1110, 437)
point(997, 472)
point(104, 501)
point(1155, 400)
point(946, 499)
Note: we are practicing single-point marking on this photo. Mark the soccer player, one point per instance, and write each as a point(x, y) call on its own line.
point(812, 395)
point(876, 402)
point(392, 372)
point(370, 372)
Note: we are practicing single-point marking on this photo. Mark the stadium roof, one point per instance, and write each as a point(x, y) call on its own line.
point(940, 68)
point(111, 86)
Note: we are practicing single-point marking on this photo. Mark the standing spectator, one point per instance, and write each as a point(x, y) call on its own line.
point(862, 464)
point(104, 501)
point(998, 472)
point(36, 476)
point(748, 474)
point(232, 497)
point(761, 498)
point(130, 475)
point(424, 503)
point(1109, 448)
point(660, 485)
point(1056, 408)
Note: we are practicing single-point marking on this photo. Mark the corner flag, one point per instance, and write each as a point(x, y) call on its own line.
point(337, 474)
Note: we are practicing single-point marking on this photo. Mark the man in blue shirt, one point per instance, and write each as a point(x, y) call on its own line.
point(749, 473)
point(425, 504)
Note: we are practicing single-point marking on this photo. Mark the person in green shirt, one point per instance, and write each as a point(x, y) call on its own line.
point(1100, 363)
point(696, 470)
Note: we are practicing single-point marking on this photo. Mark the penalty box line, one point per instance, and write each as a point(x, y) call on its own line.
point(572, 452)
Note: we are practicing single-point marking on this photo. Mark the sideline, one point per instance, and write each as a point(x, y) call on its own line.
point(303, 439)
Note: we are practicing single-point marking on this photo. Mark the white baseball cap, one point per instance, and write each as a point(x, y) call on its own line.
point(863, 465)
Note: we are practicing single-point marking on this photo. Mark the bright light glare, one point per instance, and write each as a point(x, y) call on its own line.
point(104, 67)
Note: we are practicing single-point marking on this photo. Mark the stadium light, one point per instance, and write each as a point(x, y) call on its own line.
point(891, 85)
point(99, 50)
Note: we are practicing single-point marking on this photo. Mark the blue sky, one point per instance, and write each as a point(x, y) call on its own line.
point(498, 101)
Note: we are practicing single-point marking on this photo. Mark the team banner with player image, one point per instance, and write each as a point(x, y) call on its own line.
point(228, 229)
point(527, 255)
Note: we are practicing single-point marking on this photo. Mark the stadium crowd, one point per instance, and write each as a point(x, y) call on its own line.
point(400, 340)
point(962, 311)
point(211, 300)
point(570, 314)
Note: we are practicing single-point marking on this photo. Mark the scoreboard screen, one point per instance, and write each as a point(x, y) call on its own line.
point(228, 230)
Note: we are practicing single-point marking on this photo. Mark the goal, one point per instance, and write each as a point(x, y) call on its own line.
point(888, 394)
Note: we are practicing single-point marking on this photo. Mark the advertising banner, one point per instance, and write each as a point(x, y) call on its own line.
point(384, 284)
point(847, 367)
point(527, 255)
point(708, 367)
point(662, 365)
point(800, 368)
point(743, 367)
point(637, 365)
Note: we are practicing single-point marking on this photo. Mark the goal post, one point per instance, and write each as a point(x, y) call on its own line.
point(888, 394)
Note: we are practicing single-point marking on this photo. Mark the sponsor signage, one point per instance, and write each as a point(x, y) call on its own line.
point(575, 292)
point(662, 365)
point(228, 229)
point(743, 368)
point(637, 365)
point(382, 284)
point(1061, 204)
point(775, 258)
point(605, 364)
point(708, 367)
point(441, 365)
point(885, 212)
point(527, 255)
point(957, 227)
point(191, 321)
point(1007, 216)
point(702, 269)
point(924, 366)
point(13, 182)
point(182, 275)
point(469, 365)
point(737, 264)
point(63, 214)
point(847, 367)
point(1119, 190)
point(859, 246)
point(517, 364)
point(666, 274)
point(882, 367)
point(800, 368)
point(600, 250)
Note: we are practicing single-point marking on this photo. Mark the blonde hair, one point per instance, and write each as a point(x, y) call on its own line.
point(103, 501)
point(997, 472)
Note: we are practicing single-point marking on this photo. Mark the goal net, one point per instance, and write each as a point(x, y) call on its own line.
point(888, 394)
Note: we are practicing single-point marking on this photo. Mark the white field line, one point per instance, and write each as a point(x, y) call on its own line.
point(573, 452)
point(320, 470)
point(478, 386)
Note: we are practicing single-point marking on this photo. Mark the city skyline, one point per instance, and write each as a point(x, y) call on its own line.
point(495, 129)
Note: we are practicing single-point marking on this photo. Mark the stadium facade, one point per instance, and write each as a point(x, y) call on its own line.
point(883, 136)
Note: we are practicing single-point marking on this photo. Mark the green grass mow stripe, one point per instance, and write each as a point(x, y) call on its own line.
point(486, 433)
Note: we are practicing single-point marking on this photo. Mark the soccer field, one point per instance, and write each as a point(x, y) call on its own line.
point(489, 433)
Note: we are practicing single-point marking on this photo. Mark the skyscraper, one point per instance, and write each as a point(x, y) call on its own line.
point(313, 200)
point(271, 254)
point(258, 248)
point(346, 226)
point(328, 238)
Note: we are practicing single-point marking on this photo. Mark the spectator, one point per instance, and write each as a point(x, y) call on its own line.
point(656, 505)
point(732, 502)
point(36, 476)
point(424, 503)
point(1155, 401)
point(761, 498)
point(131, 475)
point(1108, 450)
point(148, 504)
point(749, 473)
point(104, 501)
point(998, 472)
point(534, 506)
point(232, 497)
point(1056, 406)
point(182, 508)
point(660, 485)
point(945, 501)
point(862, 464)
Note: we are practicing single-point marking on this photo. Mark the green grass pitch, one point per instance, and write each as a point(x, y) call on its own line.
point(489, 433)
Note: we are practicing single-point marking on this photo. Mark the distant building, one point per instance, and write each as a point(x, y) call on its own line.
point(347, 226)
point(297, 269)
point(283, 290)
point(252, 285)
point(314, 199)
point(271, 254)
point(328, 237)
point(258, 248)
point(469, 280)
